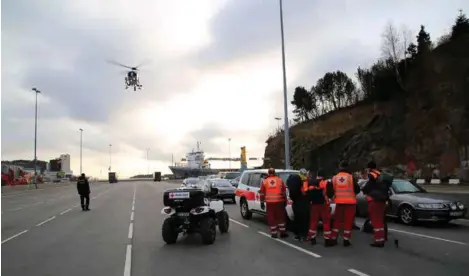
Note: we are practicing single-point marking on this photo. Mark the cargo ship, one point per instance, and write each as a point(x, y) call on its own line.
point(194, 165)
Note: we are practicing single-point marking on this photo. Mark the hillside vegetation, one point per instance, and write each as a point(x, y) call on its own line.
point(410, 107)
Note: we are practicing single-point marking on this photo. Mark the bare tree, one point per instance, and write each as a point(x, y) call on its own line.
point(392, 48)
point(406, 40)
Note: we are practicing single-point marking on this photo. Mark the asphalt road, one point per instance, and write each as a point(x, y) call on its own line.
point(44, 232)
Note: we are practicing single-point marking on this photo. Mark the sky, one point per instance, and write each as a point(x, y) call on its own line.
point(213, 71)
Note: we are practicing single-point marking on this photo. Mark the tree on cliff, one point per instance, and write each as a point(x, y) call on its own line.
point(460, 27)
point(303, 102)
point(336, 88)
point(424, 43)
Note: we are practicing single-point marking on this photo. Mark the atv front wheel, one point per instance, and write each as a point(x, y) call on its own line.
point(223, 221)
point(208, 230)
point(169, 231)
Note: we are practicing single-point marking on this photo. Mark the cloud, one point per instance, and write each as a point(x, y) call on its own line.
point(214, 73)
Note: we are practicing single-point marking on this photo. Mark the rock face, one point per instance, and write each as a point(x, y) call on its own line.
point(428, 128)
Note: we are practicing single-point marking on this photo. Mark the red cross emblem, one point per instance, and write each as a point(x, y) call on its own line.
point(258, 197)
point(341, 179)
point(171, 195)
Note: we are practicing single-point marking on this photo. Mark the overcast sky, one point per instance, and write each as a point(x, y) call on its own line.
point(214, 71)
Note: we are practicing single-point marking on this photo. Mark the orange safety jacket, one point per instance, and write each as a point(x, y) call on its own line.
point(273, 190)
point(322, 186)
point(344, 189)
point(375, 174)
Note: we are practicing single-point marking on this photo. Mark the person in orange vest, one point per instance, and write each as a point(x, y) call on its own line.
point(377, 195)
point(319, 191)
point(273, 194)
point(345, 196)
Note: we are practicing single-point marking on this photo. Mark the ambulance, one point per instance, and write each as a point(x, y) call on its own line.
point(248, 197)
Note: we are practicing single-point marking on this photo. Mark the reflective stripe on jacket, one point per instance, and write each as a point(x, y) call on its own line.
point(344, 189)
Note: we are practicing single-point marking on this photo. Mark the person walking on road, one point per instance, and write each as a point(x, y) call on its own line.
point(345, 190)
point(377, 195)
point(300, 203)
point(83, 188)
point(273, 194)
point(319, 193)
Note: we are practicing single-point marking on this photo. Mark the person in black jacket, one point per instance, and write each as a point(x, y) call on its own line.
point(377, 192)
point(83, 188)
point(300, 205)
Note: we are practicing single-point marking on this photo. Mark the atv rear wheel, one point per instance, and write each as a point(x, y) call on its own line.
point(208, 230)
point(223, 221)
point(169, 231)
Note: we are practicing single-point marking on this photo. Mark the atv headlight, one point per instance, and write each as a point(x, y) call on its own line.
point(431, 205)
point(453, 206)
point(460, 205)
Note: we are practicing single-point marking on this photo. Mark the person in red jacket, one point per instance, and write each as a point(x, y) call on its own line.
point(273, 194)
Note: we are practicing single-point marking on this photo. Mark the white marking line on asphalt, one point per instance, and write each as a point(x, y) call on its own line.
point(356, 272)
point(239, 223)
point(292, 245)
point(68, 210)
point(428, 237)
point(128, 260)
point(14, 236)
point(131, 230)
point(132, 216)
point(47, 220)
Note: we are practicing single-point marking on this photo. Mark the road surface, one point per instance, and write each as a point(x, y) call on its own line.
point(44, 232)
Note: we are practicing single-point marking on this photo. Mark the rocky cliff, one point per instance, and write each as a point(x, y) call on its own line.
point(428, 127)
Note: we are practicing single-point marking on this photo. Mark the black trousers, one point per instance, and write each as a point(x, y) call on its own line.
point(83, 198)
point(301, 210)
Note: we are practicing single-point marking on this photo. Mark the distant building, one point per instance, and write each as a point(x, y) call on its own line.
point(65, 161)
point(55, 165)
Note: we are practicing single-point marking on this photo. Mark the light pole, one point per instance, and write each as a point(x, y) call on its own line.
point(285, 97)
point(35, 138)
point(278, 122)
point(229, 150)
point(148, 162)
point(81, 151)
point(110, 147)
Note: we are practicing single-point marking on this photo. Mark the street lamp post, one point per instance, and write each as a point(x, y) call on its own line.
point(110, 147)
point(81, 151)
point(285, 97)
point(35, 138)
point(229, 150)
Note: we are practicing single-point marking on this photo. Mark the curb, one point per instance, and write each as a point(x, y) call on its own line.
point(436, 181)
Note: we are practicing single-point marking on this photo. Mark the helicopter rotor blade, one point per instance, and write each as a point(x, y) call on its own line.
point(119, 64)
point(142, 63)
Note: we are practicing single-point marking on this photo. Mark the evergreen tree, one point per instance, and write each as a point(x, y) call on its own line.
point(412, 50)
point(460, 27)
point(424, 43)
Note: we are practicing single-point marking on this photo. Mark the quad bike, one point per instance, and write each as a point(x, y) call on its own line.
point(191, 210)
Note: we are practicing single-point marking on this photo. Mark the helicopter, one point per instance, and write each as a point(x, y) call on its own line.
point(132, 78)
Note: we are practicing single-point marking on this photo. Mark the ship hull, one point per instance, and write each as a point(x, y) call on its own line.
point(184, 172)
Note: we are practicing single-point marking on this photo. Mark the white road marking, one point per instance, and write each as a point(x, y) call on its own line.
point(131, 230)
point(68, 210)
point(128, 260)
point(132, 216)
point(14, 236)
point(239, 223)
point(47, 220)
point(428, 237)
point(292, 245)
point(356, 272)
point(93, 197)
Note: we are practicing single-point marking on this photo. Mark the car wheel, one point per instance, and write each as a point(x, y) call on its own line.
point(208, 230)
point(223, 222)
point(244, 209)
point(407, 215)
point(169, 231)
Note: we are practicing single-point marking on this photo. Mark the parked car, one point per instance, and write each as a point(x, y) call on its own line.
point(231, 175)
point(225, 189)
point(411, 203)
point(235, 181)
point(190, 181)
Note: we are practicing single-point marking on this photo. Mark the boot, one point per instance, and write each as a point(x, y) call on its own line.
point(297, 237)
point(83, 208)
point(377, 244)
point(330, 243)
point(347, 243)
point(313, 241)
point(283, 235)
point(87, 208)
point(274, 236)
